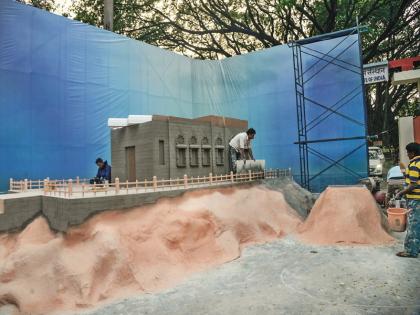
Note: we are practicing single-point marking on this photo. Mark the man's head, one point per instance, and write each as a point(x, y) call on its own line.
point(251, 133)
point(413, 149)
point(100, 162)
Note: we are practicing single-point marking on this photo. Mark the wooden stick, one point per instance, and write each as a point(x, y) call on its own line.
point(154, 183)
point(117, 185)
point(70, 187)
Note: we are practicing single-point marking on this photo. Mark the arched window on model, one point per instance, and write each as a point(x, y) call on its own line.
point(205, 152)
point(220, 152)
point(181, 151)
point(194, 152)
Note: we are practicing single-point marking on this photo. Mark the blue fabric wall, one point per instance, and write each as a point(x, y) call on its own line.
point(60, 80)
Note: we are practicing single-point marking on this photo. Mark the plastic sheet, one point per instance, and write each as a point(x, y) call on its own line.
point(60, 81)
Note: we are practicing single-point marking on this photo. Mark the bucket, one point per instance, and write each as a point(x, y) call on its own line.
point(397, 219)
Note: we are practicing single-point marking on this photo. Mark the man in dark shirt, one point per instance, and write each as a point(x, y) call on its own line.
point(104, 172)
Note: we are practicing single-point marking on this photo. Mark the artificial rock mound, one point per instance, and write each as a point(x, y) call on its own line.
point(120, 253)
point(346, 215)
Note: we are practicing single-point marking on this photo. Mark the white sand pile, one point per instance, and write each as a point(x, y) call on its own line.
point(121, 253)
point(344, 215)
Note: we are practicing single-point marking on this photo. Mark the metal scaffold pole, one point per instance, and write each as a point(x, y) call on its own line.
point(304, 74)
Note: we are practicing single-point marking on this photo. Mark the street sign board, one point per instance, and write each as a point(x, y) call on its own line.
point(376, 72)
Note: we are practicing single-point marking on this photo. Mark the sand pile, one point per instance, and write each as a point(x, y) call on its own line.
point(344, 215)
point(121, 253)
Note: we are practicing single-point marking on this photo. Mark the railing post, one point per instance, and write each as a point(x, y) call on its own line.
point(185, 181)
point(77, 180)
point(145, 185)
point(45, 186)
point(106, 186)
point(154, 183)
point(231, 176)
point(83, 189)
point(126, 186)
point(11, 184)
point(211, 178)
point(117, 185)
point(137, 184)
point(70, 187)
point(250, 175)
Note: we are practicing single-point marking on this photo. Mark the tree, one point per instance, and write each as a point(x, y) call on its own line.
point(212, 29)
point(48, 5)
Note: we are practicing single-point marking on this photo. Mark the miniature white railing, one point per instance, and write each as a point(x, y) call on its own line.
point(82, 187)
point(39, 184)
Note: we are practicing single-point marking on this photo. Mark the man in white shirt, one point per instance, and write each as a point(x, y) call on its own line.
point(240, 147)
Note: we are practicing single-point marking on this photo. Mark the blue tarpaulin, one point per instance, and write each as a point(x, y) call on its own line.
point(60, 81)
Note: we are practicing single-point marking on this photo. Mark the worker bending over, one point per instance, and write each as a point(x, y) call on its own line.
point(104, 172)
point(412, 193)
point(240, 148)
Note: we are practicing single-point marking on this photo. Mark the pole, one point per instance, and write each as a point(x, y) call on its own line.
point(154, 183)
point(70, 187)
point(109, 15)
point(185, 181)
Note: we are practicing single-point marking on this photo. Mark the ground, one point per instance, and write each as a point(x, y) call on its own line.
point(287, 277)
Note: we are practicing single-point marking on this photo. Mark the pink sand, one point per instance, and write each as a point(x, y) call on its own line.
point(344, 215)
point(121, 253)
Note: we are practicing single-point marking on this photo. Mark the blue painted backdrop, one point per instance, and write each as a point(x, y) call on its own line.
point(60, 80)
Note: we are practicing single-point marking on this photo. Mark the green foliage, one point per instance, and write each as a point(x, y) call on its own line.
point(49, 5)
point(409, 108)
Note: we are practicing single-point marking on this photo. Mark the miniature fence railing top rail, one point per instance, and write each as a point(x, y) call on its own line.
point(39, 184)
point(82, 187)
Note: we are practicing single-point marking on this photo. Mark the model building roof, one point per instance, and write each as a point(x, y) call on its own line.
point(211, 119)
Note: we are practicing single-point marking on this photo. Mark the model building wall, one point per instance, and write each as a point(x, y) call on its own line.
point(169, 147)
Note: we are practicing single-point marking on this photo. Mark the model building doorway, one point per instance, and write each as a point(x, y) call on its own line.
point(130, 159)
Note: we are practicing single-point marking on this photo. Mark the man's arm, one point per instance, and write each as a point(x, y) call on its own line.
point(413, 176)
point(408, 190)
point(242, 148)
point(251, 154)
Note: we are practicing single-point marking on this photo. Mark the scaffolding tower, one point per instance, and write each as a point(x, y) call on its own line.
point(302, 77)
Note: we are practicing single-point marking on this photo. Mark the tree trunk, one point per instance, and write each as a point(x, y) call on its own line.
point(109, 15)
